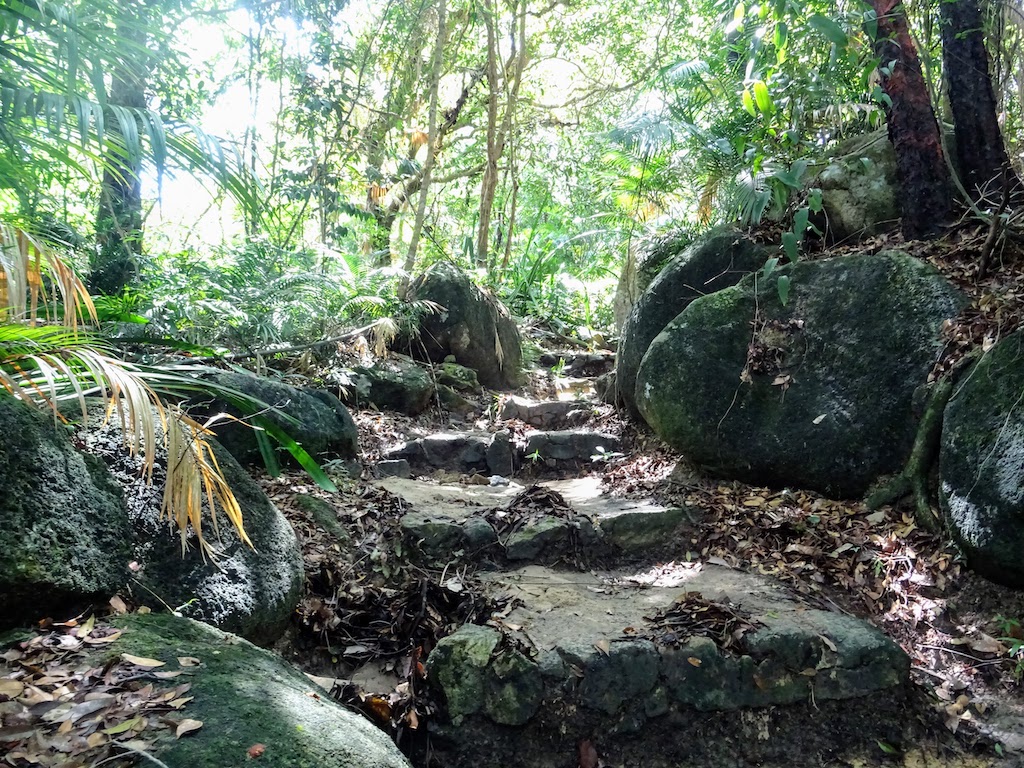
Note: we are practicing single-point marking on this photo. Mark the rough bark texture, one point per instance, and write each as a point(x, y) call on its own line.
point(914, 133)
point(119, 222)
point(981, 155)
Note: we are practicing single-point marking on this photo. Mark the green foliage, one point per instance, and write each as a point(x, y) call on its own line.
point(1013, 636)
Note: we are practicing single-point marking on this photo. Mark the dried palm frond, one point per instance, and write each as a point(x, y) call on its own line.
point(49, 366)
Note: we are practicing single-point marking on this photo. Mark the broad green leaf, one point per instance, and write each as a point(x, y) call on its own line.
point(830, 29)
point(782, 286)
point(748, 103)
point(800, 221)
point(781, 35)
point(769, 267)
point(762, 98)
point(298, 453)
point(814, 200)
point(791, 245)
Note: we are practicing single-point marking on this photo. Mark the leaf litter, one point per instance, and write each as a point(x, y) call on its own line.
point(55, 710)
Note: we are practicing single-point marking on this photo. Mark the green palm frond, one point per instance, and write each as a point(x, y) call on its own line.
point(49, 366)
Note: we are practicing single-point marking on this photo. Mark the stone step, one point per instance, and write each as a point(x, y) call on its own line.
point(450, 520)
point(496, 453)
point(579, 658)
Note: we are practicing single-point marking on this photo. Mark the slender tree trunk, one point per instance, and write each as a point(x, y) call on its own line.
point(115, 264)
point(428, 163)
point(498, 133)
point(490, 181)
point(980, 151)
point(921, 169)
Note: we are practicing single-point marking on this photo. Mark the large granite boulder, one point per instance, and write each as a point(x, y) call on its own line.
point(473, 326)
point(247, 590)
point(817, 393)
point(858, 189)
point(981, 463)
point(315, 419)
point(64, 532)
point(389, 384)
point(246, 705)
point(715, 262)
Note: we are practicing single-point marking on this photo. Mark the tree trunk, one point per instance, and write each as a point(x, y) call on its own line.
point(980, 151)
point(490, 180)
point(428, 163)
point(924, 180)
point(115, 264)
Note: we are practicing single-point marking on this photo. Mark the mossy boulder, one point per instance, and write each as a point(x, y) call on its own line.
point(817, 393)
point(64, 532)
point(315, 419)
point(250, 591)
point(389, 384)
point(858, 189)
point(244, 696)
point(981, 463)
point(712, 263)
point(472, 325)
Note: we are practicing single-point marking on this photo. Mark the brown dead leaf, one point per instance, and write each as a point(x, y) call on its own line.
point(588, 757)
point(118, 605)
point(189, 661)
point(603, 646)
point(694, 661)
point(142, 661)
point(187, 726)
point(12, 689)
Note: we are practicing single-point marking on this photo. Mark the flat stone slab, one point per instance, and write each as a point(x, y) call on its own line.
point(546, 414)
point(583, 640)
point(581, 446)
point(447, 518)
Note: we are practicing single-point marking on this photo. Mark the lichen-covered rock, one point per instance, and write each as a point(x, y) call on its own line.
point(455, 451)
point(858, 189)
point(477, 673)
point(250, 591)
point(64, 533)
point(981, 463)
point(818, 393)
point(245, 696)
point(569, 445)
point(610, 677)
point(458, 666)
point(473, 326)
point(315, 419)
point(711, 264)
point(389, 384)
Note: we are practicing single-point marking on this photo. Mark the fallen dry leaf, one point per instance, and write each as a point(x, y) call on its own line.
point(256, 750)
point(141, 661)
point(187, 726)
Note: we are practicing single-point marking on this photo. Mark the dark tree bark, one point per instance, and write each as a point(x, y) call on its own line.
point(913, 130)
point(119, 220)
point(980, 152)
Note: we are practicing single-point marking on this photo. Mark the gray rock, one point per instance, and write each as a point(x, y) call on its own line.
point(250, 591)
point(458, 666)
point(628, 670)
point(981, 463)
point(715, 262)
point(244, 695)
point(478, 534)
point(64, 531)
point(542, 536)
point(458, 377)
point(454, 402)
point(822, 396)
point(547, 414)
point(859, 189)
point(640, 531)
point(513, 689)
point(473, 326)
point(390, 384)
point(605, 387)
point(500, 455)
point(433, 536)
point(455, 451)
point(315, 419)
point(393, 468)
point(569, 445)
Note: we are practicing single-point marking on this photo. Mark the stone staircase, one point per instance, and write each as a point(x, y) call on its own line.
point(614, 649)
